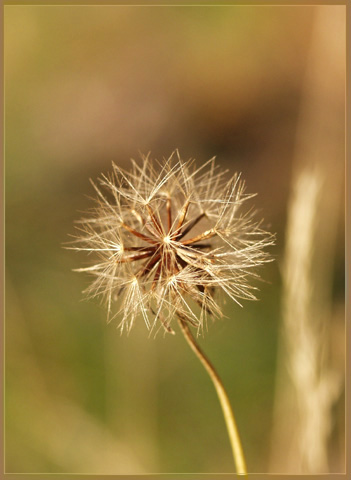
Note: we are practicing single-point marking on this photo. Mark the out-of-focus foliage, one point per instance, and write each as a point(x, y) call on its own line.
point(85, 86)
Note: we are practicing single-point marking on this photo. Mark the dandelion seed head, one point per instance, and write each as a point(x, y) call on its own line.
point(166, 237)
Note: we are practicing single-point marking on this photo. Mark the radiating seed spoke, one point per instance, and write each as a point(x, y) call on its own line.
point(155, 221)
point(156, 277)
point(190, 226)
point(181, 262)
point(138, 234)
point(133, 258)
point(202, 236)
point(182, 217)
point(194, 246)
point(151, 228)
point(138, 217)
point(151, 263)
point(169, 214)
point(140, 249)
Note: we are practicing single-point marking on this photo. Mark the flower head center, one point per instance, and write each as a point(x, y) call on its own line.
point(167, 240)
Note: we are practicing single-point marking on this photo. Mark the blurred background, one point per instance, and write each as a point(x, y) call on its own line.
point(262, 88)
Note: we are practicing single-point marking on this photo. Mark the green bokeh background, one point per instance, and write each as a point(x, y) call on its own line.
point(85, 86)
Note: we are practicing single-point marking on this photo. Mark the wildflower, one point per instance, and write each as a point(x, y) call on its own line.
point(168, 236)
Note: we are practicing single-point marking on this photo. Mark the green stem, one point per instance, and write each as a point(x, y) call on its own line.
point(233, 433)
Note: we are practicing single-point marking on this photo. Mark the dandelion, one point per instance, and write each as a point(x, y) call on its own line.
point(169, 237)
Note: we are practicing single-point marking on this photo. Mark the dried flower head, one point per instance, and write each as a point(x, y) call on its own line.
point(167, 237)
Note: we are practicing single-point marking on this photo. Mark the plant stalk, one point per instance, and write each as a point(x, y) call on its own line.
point(228, 414)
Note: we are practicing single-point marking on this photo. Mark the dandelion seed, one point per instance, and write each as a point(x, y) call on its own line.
point(167, 237)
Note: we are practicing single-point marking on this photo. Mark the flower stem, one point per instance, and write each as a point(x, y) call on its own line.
point(228, 414)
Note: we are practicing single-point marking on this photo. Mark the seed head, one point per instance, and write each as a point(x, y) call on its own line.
point(166, 237)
